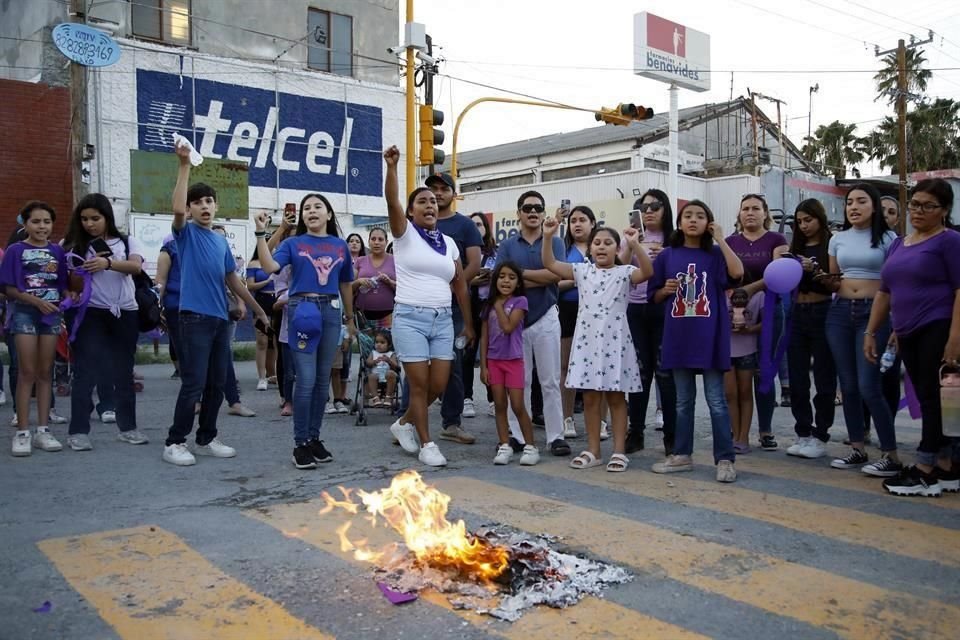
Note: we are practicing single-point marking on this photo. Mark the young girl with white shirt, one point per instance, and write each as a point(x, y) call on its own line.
point(106, 338)
point(857, 255)
point(428, 265)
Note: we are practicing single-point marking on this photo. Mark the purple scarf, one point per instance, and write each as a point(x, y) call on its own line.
point(433, 238)
point(81, 303)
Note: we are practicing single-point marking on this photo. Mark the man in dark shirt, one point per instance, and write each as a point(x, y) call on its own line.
point(465, 234)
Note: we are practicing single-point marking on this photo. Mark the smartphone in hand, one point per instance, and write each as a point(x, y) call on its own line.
point(262, 328)
point(636, 220)
point(100, 247)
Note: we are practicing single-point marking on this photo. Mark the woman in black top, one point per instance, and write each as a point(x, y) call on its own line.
point(811, 237)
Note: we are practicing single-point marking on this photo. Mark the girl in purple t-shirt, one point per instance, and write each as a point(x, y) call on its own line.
point(501, 358)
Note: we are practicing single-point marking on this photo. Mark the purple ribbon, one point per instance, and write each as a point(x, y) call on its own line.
point(81, 302)
point(771, 357)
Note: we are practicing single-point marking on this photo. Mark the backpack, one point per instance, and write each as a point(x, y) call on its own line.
point(148, 300)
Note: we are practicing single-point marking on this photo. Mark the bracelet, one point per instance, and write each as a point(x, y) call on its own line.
point(260, 234)
point(109, 264)
point(870, 333)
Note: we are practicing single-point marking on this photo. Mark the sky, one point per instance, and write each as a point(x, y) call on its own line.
point(582, 54)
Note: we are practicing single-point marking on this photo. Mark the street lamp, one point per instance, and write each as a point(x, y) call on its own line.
point(815, 88)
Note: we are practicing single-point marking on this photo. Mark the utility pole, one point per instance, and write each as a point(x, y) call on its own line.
point(815, 88)
point(901, 52)
point(411, 150)
point(78, 109)
point(778, 102)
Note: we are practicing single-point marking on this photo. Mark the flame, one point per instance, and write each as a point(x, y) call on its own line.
point(418, 513)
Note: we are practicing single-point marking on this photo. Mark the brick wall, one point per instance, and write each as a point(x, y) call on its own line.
point(34, 152)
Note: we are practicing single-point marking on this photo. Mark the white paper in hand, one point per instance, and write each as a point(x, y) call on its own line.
point(195, 158)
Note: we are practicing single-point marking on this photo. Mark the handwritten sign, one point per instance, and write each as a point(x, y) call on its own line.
point(86, 45)
point(153, 174)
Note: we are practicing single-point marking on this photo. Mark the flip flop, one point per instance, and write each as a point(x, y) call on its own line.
point(585, 460)
point(618, 463)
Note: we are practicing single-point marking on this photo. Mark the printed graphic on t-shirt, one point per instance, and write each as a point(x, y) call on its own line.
point(40, 274)
point(691, 300)
point(323, 264)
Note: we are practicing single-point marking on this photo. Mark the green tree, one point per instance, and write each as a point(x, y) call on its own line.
point(933, 138)
point(834, 147)
point(917, 76)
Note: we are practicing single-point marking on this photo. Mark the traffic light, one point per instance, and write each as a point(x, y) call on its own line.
point(429, 136)
point(623, 114)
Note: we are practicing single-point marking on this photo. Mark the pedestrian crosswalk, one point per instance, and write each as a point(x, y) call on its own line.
point(148, 582)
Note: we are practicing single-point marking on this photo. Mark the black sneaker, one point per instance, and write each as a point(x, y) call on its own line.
point(559, 447)
point(634, 441)
point(768, 443)
point(885, 467)
point(515, 444)
point(856, 458)
point(318, 451)
point(948, 480)
point(303, 458)
point(785, 399)
point(913, 482)
point(538, 420)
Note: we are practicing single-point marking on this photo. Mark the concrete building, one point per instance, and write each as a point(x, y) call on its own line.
point(281, 98)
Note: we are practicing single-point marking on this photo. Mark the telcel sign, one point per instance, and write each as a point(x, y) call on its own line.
point(670, 52)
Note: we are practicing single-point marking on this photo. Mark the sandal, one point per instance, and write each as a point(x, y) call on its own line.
point(618, 463)
point(585, 460)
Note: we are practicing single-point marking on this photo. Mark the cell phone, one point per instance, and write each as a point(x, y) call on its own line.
point(636, 220)
point(290, 212)
point(262, 328)
point(100, 247)
point(565, 204)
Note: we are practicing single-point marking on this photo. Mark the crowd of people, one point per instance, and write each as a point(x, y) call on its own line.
point(598, 319)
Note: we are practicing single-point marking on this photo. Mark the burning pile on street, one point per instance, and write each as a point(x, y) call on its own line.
point(494, 571)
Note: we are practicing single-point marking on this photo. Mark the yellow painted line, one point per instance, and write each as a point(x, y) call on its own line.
point(591, 618)
point(148, 584)
point(849, 608)
point(818, 472)
point(893, 535)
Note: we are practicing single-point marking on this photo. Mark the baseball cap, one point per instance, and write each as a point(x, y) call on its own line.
point(306, 328)
point(445, 178)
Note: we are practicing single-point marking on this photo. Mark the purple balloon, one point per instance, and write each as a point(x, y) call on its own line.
point(783, 275)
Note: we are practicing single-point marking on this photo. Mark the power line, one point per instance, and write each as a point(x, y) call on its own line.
point(809, 24)
point(858, 17)
point(901, 19)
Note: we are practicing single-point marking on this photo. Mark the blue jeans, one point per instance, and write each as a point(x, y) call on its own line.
point(313, 372)
point(103, 356)
point(859, 379)
point(203, 350)
point(231, 388)
point(453, 395)
point(808, 339)
point(686, 383)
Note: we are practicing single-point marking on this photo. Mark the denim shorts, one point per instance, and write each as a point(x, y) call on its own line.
point(749, 362)
point(422, 333)
point(26, 321)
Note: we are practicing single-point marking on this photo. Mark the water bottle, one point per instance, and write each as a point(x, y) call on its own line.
point(460, 343)
point(888, 358)
point(950, 402)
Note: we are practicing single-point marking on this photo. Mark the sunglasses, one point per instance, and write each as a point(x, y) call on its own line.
point(651, 206)
point(758, 196)
point(532, 208)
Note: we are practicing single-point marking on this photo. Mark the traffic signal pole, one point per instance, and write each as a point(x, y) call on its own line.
point(673, 178)
point(411, 150)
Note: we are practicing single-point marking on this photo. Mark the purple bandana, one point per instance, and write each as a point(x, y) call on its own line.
point(73, 263)
point(433, 238)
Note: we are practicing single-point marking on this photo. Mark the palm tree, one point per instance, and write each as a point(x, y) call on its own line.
point(917, 76)
point(834, 147)
point(933, 138)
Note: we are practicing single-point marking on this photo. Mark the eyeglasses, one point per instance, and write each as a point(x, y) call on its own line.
point(651, 206)
point(927, 207)
point(532, 208)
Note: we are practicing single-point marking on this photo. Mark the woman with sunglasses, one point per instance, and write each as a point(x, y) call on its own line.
point(645, 317)
point(857, 254)
point(920, 285)
point(757, 247)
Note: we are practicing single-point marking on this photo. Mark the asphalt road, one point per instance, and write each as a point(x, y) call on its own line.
point(123, 545)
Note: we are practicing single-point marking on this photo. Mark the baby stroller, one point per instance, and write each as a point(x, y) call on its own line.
point(365, 340)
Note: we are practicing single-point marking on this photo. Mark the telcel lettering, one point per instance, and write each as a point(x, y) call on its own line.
point(317, 151)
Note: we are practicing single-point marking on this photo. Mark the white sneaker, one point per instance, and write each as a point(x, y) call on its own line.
point(659, 419)
point(726, 471)
point(108, 417)
point(21, 444)
point(262, 384)
point(814, 448)
point(430, 455)
point(530, 455)
point(406, 435)
point(797, 447)
point(45, 441)
point(3, 398)
point(469, 410)
point(133, 436)
point(604, 430)
point(56, 418)
point(569, 429)
point(79, 442)
point(491, 410)
point(216, 449)
point(340, 407)
point(179, 455)
point(504, 454)
point(13, 420)
point(330, 408)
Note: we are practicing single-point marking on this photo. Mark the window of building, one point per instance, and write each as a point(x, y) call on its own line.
point(162, 20)
point(498, 183)
point(583, 170)
point(330, 42)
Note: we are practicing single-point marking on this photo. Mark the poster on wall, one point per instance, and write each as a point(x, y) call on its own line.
point(154, 173)
point(153, 230)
